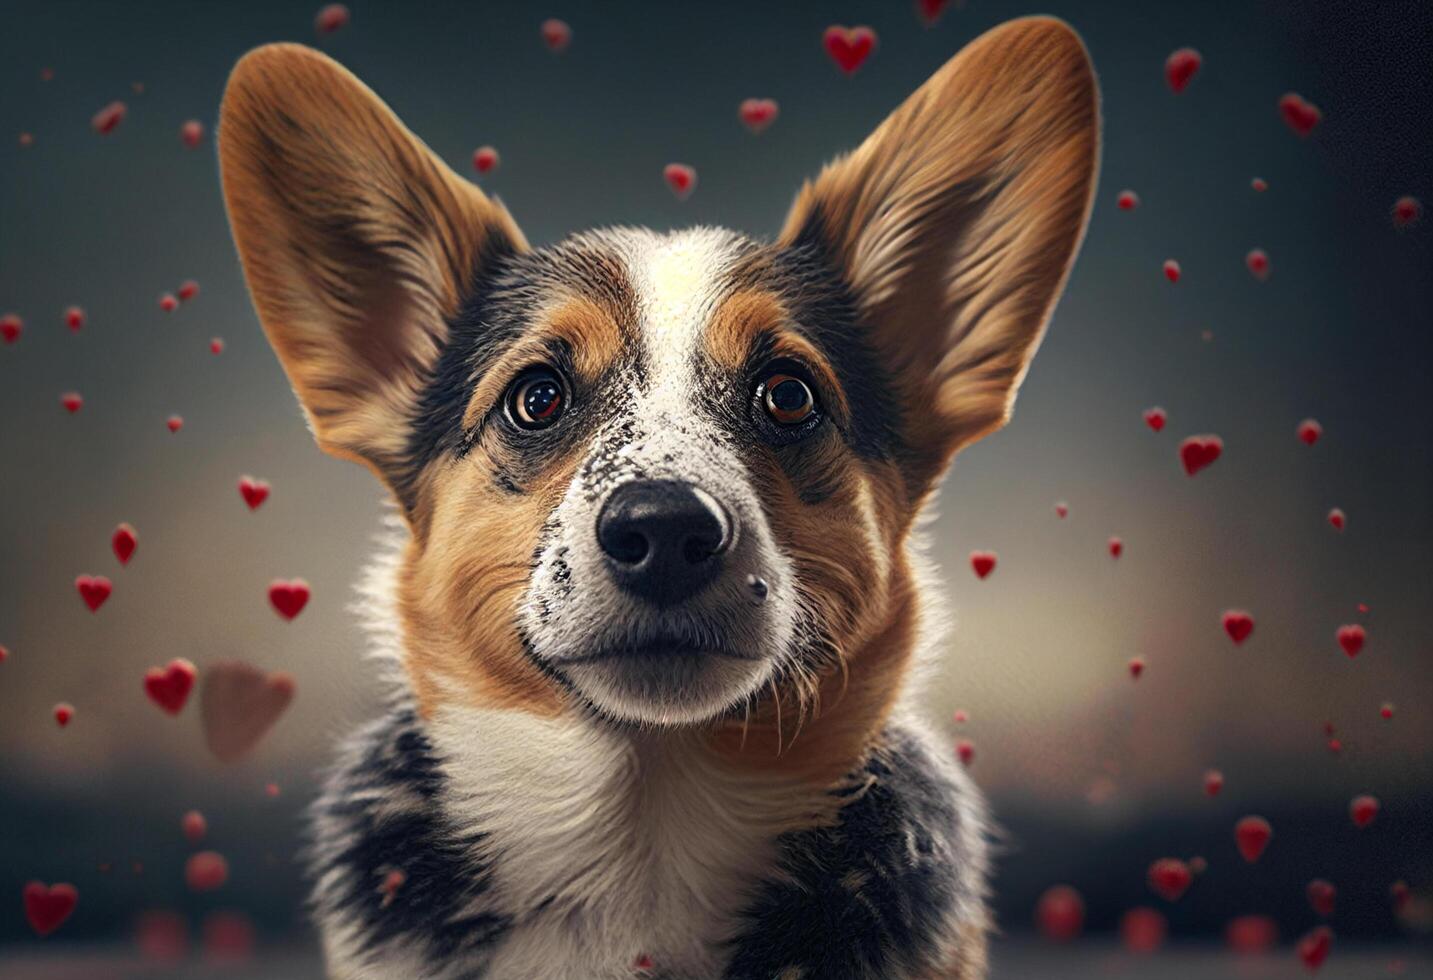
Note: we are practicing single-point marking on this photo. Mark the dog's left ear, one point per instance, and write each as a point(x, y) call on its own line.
point(955, 223)
point(358, 244)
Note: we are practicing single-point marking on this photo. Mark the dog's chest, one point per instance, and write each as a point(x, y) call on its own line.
point(608, 849)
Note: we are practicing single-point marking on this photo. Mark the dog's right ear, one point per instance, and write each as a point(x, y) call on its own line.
point(357, 242)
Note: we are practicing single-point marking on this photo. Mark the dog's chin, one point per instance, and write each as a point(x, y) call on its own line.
point(666, 686)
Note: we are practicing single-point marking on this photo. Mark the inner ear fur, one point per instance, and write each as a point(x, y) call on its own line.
point(956, 222)
point(357, 242)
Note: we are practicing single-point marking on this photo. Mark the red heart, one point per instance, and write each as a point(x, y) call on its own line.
point(485, 159)
point(194, 826)
point(1181, 67)
point(1400, 893)
point(1213, 782)
point(1062, 510)
point(169, 686)
point(1169, 878)
point(556, 34)
point(1197, 452)
point(849, 47)
point(929, 11)
point(1407, 211)
point(1252, 835)
point(168, 303)
point(1385, 710)
point(1142, 930)
point(1351, 638)
point(1309, 431)
point(11, 326)
point(239, 704)
point(174, 423)
point(124, 541)
point(288, 598)
point(206, 871)
point(1155, 418)
point(1172, 271)
point(1251, 934)
point(108, 119)
point(758, 113)
point(72, 401)
point(1258, 262)
point(681, 178)
point(965, 751)
point(1299, 114)
point(1060, 913)
point(1314, 947)
point(74, 318)
point(63, 713)
point(216, 345)
point(983, 562)
point(1338, 519)
point(331, 18)
point(1362, 810)
point(1259, 184)
point(48, 906)
point(254, 492)
point(1117, 547)
point(1238, 624)
point(94, 589)
point(188, 289)
point(1136, 667)
point(1127, 201)
point(1321, 896)
point(191, 134)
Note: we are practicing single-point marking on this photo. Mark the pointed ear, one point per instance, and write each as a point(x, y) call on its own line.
point(954, 224)
point(358, 244)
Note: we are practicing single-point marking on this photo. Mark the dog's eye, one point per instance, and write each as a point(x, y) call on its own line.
point(537, 399)
point(788, 399)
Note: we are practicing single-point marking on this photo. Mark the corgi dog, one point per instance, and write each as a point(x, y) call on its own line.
point(657, 609)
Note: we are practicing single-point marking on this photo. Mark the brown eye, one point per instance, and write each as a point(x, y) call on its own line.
point(788, 399)
point(537, 399)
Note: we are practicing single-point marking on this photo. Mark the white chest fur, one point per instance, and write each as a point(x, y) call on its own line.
point(609, 846)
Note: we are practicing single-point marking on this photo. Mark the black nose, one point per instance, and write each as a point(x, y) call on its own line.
point(664, 539)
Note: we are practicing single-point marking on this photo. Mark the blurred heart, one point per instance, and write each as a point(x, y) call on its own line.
point(1314, 947)
point(238, 704)
point(123, 541)
point(849, 47)
point(48, 906)
point(1169, 878)
point(1351, 637)
point(1321, 896)
point(1238, 624)
point(169, 687)
point(94, 590)
point(1181, 67)
point(1299, 114)
point(757, 114)
point(681, 178)
point(1197, 452)
point(1362, 810)
point(1252, 835)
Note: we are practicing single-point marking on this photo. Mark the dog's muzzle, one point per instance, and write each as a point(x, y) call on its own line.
point(664, 540)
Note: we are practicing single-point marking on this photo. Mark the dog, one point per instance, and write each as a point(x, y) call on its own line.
point(658, 609)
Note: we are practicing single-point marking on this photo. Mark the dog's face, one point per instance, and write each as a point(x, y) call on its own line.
point(661, 476)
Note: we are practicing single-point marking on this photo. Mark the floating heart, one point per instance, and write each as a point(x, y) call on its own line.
point(1062, 510)
point(556, 34)
point(191, 134)
point(1309, 431)
point(169, 686)
point(965, 751)
point(168, 302)
point(206, 871)
point(11, 326)
point(1407, 211)
point(1136, 667)
point(1299, 114)
point(1258, 262)
point(1314, 947)
point(216, 345)
point(1181, 67)
point(1400, 893)
point(1172, 271)
point(1197, 452)
point(254, 492)
point(1142, 930)
point(1259, 184)
point(849, 47)
point(1238, 624)
point(288, 598)
point(930, 10)
point(1321, 895)
point(1127, 201)
point(1060, 914)
point(174, 423)
point(1362, 810)
point(1251, 934)
point(485, 159)
point(4, 654)
point(72, 401)
point(1155, 418)
point(1385, 710)
point(74, 319)
point(1252, 835)
point(188, 289)
point(1169, 878)
point(124, 541)
point(1338, 519)
point(64, 711)
point(1213, 782)
point(983, 562)
point(194, 826)
point(331, 18)
point(757, 114)
point(108, 119)
point(48, 906)
point(1116, 547)
point(681, 178)
point(1351, 637)
point(239, 704)
point(94, 589)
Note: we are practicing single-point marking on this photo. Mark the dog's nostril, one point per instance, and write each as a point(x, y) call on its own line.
point(664, 539)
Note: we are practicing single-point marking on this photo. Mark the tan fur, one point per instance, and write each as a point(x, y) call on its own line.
point(957, 220)
point(357, 242)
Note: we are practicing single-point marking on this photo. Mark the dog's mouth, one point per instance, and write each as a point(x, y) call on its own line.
point(656, 650)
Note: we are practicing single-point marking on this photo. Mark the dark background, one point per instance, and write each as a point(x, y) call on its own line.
point(1092, 776)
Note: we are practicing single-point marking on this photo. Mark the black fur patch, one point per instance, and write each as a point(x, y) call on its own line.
point(870, 897)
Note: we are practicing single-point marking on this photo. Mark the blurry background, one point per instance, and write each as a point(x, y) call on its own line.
point(1092, 775)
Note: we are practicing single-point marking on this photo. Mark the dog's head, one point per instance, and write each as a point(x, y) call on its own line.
point(664, 476)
